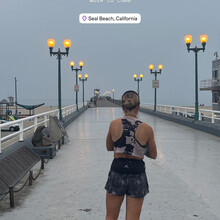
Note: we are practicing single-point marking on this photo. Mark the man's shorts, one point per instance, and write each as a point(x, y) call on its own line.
point(133, 185)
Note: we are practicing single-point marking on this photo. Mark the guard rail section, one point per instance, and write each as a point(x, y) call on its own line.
point(32, 122)
point(188, 112)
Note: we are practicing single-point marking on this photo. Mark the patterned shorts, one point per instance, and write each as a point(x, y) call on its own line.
point(133, 185)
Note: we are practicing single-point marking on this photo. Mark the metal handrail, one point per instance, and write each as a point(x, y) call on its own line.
point(38, 119)
point(208, 83)
point(203, 113)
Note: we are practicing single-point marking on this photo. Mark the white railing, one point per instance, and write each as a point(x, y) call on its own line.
point(211, 115)
point(209, 83)
point(31, 123)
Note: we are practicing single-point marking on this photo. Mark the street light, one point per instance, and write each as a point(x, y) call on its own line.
point(76, 88)
point(59, 54)
point(138, 80)
point(107, 93)
point(83, 80)
point(188, 40)
point(155, 82)
point(113, 93)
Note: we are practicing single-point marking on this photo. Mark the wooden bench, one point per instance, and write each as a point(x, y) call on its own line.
point(13, 168)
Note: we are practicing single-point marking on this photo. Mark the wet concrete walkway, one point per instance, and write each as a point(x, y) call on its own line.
point(184, 180)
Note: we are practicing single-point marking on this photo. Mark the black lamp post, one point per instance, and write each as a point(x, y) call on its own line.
point(155, 82)
point(16, 98)
point(83, 80)
point(76, 88)
point(188, 40)
point(138, 81)
point(59, 54)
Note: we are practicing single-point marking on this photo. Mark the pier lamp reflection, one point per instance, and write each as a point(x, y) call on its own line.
point(59, 54)
point(160, 157)
point(203, 40)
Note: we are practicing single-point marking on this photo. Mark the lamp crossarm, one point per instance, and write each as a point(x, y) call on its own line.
point(196, 49)
point(84, 79)
point(138, 79)
point(155, 72)
point(76, 69)
point(59, 54)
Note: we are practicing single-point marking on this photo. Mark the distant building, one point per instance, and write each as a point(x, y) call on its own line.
point(213, 84)
point(4, 105)
point(11, 100)
point(96, 92)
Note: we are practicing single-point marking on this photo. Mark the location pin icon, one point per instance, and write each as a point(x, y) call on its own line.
point(84, 18)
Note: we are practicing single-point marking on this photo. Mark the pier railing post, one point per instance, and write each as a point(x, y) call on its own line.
point(22, 131)
point(45, 120)
point(213, 115)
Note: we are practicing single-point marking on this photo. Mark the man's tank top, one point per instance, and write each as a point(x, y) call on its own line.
point(127, 144)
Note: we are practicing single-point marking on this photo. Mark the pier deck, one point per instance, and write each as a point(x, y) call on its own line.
point(184, 180)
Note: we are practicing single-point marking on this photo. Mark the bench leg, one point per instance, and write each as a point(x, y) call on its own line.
point(11, 194)
point(31, 178)
point(42, 163)
point(59, 144)
point(62, 140)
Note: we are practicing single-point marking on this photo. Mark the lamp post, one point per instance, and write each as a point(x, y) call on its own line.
point(83, 80)
point(76, 88)
point(155, 82)
point(59, 54)
point(113, 93)
point(188, 40)
point(138, 81)
point(108, 92)
point(16, 98)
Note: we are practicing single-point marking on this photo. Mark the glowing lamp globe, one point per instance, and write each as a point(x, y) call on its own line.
point(80, 76)
point(188, 39)
point(203, 38)
point(135, 76)
point(72, 63)
point(151, 67)
point(141, 75)
point(51, 43)
point(81, 63)
point(86, 76)
point(67, 43)
point(160, 67)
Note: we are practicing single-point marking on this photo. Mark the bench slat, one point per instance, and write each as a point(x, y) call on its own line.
point(14, 167)
point(9, 171)
point(3, 189)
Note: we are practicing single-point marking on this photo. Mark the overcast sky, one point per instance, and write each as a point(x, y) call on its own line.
point(111, 53)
